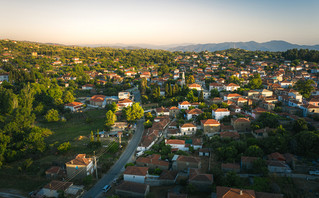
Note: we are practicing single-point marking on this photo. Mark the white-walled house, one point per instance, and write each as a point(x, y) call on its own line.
point(184, 105)
point(231, 87)
point(220, 113)
point(176, 144)
point(135, 174)
point(188, 129)
point(73, 106)
point(125, 102)
point(192, 114)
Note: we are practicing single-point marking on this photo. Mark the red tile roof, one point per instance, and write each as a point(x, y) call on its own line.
point(186, 125)
point(73, 104)
point(98, 98)
point(174, 141)
point(210, 122)
point(134, 170)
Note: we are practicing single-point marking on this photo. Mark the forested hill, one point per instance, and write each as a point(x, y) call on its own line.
point(251, 45)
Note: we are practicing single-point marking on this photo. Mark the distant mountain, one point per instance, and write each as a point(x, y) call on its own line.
point(251, 45)
point(134, 46)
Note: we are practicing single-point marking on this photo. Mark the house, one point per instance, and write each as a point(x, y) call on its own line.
point(241, 124)
point(53, 172)
point(257, 112)
point(220, 113)
point(4, 77)
point(162, 111)
point(87, 87)
point(210, 126)
point(177, 144)
point(98, 101)
point(286, 84)
point(231, 87)
point(218, 86)
point(125, 103)
point(80, 166)
point(173, 111)
point(153, 161)
point(74, 106)
point(130, 73)
point(229, 134)
point(266, 93)
point(54, 188)
point(227, 192)
point(186, 162)
point(195, 86)
point(232, 96)
point(184, 105)
point(204, 152)
point(168, 177)
point(276, 166)
point(247, 162)
point(192, 114)
point(276, 156)
point(188, 129)
point(314, 102)
point(227, 167)
point(124, 95)
point(240, 101)
point(202, 182)
point(131, 189)
point(135, 174)
point(261, 133)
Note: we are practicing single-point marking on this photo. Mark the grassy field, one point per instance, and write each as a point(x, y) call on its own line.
point(80, 124)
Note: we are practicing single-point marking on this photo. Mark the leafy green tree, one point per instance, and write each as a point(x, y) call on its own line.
point(305, 87)
point(190, 79)
point(254, 151)
point(214, 93)
point(62, 148)
point(148, 124)
point(110, 119)
point(68, 97)
point(300, 125)
point(133, 112)
point(255, 82)
point(52, 115)
point(201, 97)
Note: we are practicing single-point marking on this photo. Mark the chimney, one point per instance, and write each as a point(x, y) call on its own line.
point(241, 192)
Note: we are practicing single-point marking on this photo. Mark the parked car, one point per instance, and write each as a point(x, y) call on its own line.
point(316, 172)
point(106, 188)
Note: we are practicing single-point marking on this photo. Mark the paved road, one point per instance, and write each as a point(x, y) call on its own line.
point(10, 195)
point(118, 167)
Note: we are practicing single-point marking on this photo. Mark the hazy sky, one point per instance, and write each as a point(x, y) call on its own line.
point(159, 22)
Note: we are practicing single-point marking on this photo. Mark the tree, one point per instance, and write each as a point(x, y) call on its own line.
point(62, 148)
point(110, 119)
point(214, 93)
point(190, 79)
point(255, 82)
point(148, 124)
point(300, 125)
point(254, 151)
point(260, 167)
point(201, 97)
point(305, 87)
point(133, 112)
point(52, 115)
point(68, 97)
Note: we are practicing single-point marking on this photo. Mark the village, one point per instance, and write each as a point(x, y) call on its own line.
point(212, 125)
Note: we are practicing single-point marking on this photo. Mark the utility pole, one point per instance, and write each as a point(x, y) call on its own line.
point(95, 164)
